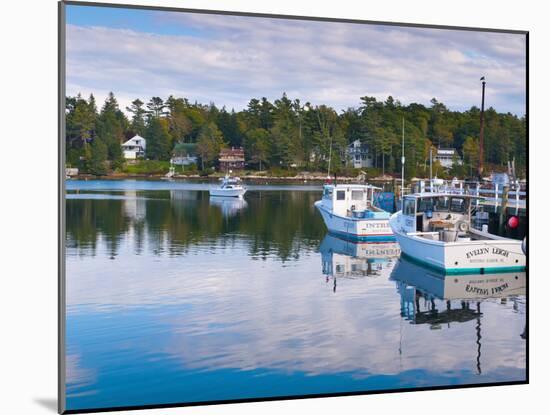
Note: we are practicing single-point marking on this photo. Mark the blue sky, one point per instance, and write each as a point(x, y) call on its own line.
point(230, 59)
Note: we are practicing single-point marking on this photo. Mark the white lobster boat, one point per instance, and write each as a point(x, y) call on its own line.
point(434, 229)
point(349, 212)
point(230, 187)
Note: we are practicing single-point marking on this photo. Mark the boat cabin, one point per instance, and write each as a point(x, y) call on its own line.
point(351, 200)
point(434, 212)
point(230, 182)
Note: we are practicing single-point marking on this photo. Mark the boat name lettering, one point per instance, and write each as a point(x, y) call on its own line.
point(484, 251)
point(477, 290)
point(375, 225)
point(486, 291)
point(475, 252)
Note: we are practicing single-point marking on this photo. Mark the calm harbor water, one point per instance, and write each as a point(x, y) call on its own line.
point(176, 297)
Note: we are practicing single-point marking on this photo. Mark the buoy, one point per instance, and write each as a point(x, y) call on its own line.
point(513, 222)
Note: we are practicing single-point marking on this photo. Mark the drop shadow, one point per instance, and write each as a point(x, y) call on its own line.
point(48, 403)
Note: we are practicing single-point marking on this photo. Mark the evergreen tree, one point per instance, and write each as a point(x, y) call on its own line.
point(158, 139)
point(138, 117)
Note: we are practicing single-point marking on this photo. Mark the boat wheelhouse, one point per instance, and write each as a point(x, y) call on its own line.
point(435, 230)
point(348, 211)
point(230, 187)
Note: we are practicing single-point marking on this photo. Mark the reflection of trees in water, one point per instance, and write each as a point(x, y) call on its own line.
point(87, 220)
point(274, 222)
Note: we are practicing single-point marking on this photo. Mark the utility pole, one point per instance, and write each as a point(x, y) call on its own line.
point(480, 166)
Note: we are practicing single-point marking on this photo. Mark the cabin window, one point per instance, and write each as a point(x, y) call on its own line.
point(457, 205)
point(341, 195)
point(408, 208)
point(425, 205)
point(356, 195)
point(327, 193)
point(442, 204)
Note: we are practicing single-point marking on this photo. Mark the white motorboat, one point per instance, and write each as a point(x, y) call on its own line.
point(349, 212)
point(434, 229)
point(230, 187)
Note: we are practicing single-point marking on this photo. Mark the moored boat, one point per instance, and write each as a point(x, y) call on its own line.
point(348, 211)
point(435, 230)
point(230, 187)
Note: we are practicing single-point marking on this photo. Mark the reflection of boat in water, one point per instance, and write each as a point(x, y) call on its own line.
point(441, 301)
point(348, 211)
point(229, 206)
point(230, 187)
point(434, 228)
point(421, 287)
point(343, 258)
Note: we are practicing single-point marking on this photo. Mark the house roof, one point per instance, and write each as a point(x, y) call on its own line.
point(136, 140)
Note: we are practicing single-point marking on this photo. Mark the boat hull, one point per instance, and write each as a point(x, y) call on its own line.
point(356, 229)
point(227, 192)
point(468, 257)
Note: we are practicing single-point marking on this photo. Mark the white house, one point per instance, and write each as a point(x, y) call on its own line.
point(445, 156)
point(134, 148)
point(358, 155)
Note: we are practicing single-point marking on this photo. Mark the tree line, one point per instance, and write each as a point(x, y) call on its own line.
point(289, 134)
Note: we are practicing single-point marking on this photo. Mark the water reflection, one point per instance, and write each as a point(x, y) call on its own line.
point(346, 259)
point(170, 222)
point(440, 301)
point(169, 300)
point(229, 206)
point(441, 293)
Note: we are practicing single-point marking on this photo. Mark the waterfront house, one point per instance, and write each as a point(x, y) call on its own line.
point(134, 148)
point(231, 159)
point(358, 155)
point(186, 160)
point(446, 157)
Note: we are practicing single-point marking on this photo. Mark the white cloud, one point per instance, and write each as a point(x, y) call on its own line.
point(233, 59)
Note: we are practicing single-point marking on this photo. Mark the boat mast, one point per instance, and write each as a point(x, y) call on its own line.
point(402, 160)
point(329, 157)
point(481, 125)
point(431, 179)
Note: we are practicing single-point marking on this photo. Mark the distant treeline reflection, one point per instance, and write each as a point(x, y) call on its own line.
point(280, 223)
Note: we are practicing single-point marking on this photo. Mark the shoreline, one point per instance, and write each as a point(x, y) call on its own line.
point(244, 178)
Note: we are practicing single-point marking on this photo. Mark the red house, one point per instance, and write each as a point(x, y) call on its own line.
point(231, 159)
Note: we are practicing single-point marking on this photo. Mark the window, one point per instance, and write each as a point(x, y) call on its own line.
point(442, 204)
point(340, 195)
point(408, 208)
point(457, 205)
point(425, 205)
point(356, 195)
point(327, 194)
